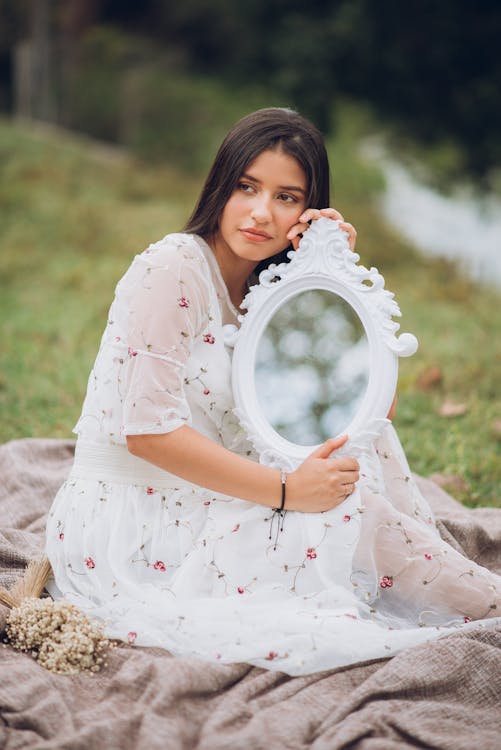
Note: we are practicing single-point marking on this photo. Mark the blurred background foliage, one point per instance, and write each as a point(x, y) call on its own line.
point(129, 72)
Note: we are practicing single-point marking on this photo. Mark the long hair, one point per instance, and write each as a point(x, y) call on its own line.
point(265, 129)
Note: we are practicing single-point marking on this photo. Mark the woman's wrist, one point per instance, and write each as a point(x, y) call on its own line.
point(283, 489)
point(215, 467)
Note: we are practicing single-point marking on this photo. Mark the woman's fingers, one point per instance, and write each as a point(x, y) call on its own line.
point(331, 213)
point(323, 481)
point(345, 464)
point(347, 479)
point(351, 477)
point(349, 489)
point(295, 233)
point(330, 445)
point(351, 232)
point(312, 214)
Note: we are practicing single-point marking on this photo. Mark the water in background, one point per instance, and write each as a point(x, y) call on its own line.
point(461, 226)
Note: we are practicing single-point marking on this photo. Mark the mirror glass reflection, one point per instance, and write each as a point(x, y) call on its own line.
point(312, 367)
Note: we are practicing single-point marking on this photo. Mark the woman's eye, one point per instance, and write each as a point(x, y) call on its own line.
point(286, 198)
point(245, 187)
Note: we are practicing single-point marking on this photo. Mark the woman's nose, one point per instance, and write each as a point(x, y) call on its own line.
point(261, 209)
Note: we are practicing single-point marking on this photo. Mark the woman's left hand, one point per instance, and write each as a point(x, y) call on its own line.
point(311, 214)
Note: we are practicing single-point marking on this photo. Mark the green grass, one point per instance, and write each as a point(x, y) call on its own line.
point(72, 216)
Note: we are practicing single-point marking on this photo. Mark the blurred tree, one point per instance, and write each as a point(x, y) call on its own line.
point(13, 28)
point(75, 18)
point(33, 95)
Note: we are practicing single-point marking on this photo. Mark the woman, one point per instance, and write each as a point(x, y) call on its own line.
point(162, 529)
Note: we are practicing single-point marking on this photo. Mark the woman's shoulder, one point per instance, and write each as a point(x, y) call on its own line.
point(175, 259)
point(175, 249)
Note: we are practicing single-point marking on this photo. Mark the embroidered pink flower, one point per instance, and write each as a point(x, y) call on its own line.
point(206, 391)
point(150, 490)
point(467, 619)
point(236, 527)
point(428, 556)
point(346, 518)
point(160, 565)
point(218, 656)
point(386, 582)
point(131, 636)
point(311, 553)
point(183, 302)
point(272, 655)
point(209, 338)
point(117, 338)
point(352, 617)
point(206, 502)
point(131, 352)
point(240, 590)
point(61, 536)
point(90, 562)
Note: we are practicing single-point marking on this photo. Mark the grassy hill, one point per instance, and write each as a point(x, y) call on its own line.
point(73, 213)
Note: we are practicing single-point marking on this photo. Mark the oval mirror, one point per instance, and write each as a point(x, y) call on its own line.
point(317, 353)
point(312, 367)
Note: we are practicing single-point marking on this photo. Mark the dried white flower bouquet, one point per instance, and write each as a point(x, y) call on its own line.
point(60, 637)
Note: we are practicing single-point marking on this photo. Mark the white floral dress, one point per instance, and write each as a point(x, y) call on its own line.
point(167, 563)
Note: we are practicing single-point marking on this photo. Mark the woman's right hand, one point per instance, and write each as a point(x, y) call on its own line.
point(321, 483)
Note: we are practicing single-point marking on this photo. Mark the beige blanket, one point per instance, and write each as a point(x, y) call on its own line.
point(444, 694)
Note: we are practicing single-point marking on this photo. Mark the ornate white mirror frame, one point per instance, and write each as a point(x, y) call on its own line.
point(323, 261)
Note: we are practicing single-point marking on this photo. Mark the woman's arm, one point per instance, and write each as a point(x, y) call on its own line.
point(319, 484)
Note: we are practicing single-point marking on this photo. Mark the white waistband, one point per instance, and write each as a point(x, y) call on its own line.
point(114, 463)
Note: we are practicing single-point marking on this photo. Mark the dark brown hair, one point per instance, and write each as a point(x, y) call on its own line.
point(265, 129)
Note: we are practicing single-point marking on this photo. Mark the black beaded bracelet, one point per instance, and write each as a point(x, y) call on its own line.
point(280, 512)
point(283, 478)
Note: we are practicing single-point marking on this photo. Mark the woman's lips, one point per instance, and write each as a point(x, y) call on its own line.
point(254, 235)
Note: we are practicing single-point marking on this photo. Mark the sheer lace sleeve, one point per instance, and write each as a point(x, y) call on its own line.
point(168, 295)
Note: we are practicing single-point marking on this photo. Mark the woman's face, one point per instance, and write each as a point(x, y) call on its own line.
point(268, 200)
